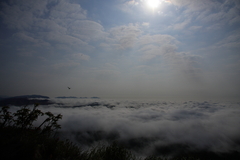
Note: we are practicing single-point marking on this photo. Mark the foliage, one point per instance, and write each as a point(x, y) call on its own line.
point(20, 138)
point(113, 151)
point(5, 117)
point(153, 158)
point(24, 118)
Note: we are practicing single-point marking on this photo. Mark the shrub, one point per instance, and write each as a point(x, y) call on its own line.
point(110, 152)
point(20, 139)
point(23, 119)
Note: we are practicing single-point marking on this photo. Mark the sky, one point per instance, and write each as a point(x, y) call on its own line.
point(120, 48)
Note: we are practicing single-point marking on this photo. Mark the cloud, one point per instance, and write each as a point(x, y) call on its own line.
point(132, 2)
point(61, 24)
point(125, 36)
point(81, 56)
point(56, 39)
point(164, 48)
point(145, 24)
point(20, 15)
point(147, 126)
point(195, 5)
point(210, 12)
point(87, 30)
point(25, 37)
point(127, 6)
point(184, 48)
point(63, 10)
point(195, 28)
point(70, 63)
point(152, 46)
point(181, 25)
point(157, 39)
point(231, 41)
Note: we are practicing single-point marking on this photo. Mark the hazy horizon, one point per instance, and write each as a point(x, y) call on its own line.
point(153, 98)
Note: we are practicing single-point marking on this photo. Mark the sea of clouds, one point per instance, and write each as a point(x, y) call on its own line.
point(151, 126)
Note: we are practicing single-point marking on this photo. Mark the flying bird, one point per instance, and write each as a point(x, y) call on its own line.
point(69, 88)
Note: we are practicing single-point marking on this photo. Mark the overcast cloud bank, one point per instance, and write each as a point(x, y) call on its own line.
point(120, 48)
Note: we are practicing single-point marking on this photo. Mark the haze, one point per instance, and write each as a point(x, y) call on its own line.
point(120, 48)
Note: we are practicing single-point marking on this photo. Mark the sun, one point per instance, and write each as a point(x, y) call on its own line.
point(153, 3)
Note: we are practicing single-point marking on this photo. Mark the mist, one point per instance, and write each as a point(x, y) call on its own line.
point(151, 127)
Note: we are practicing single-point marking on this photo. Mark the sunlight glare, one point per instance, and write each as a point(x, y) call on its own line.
point(153, 3)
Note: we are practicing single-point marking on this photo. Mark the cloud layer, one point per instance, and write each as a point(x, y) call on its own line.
point(149, 127)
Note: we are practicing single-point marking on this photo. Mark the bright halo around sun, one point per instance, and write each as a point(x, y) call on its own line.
point(153, 3)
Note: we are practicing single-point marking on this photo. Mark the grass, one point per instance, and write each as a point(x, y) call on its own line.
point(19, 139)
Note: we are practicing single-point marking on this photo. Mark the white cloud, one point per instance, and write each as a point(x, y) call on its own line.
point(231, 41)
point(145, 24)
point(210, 126)
point(87, 30)
point(70, 63)
point(81, 56)
point(182, 25)
point(132, 2)
point(195, 28)
point(157, 45)
point(163, 48)
point(126, 6)
point(125, 36)
point(157, 40)
point(59, 38)
point(61, 24)
point(66, 11)
point(209, 12)
point(195, 5)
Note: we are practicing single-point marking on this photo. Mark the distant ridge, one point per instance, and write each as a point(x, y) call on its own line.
point(25, 100)
point(31, 96)
point(33, 99)
point(64, 97)
point(95, 97)
point(3, 97)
